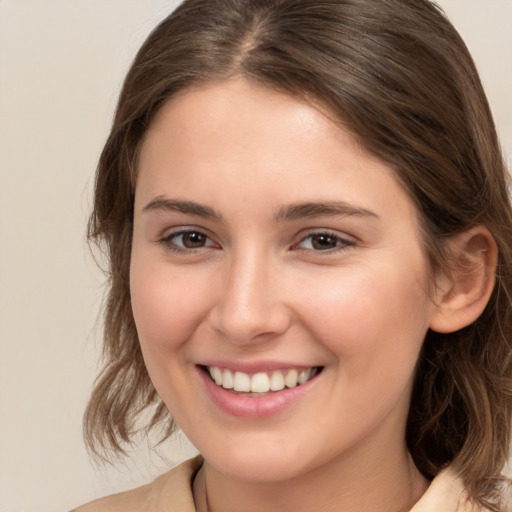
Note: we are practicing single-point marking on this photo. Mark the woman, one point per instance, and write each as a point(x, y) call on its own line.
point(310, 240)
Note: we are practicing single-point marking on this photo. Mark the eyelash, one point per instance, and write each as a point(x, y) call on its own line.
point(341, 243)
point(169, 241)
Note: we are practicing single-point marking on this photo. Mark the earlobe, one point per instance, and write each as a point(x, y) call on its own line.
point(464, 292)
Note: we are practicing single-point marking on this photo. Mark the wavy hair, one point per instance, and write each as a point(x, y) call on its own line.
point(398, 75)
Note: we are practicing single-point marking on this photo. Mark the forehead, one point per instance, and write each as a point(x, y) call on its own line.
point(236, 107)
point(235, 136)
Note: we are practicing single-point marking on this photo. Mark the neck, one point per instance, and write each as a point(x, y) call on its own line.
point(382, 485)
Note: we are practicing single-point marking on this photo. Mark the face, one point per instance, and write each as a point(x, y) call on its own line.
point(278, 283)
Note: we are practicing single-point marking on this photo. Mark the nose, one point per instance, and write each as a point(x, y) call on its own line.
point(250, 305)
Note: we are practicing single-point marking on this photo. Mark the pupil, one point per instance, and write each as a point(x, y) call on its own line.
point(323, 242)
point(193, 240)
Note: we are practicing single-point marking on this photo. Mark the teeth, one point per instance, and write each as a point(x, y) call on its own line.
point(291, 378)
point(261, 382)
point(227, 379)
point(216, 374)
point(305, 375)
point(277, 381)
point(242, 382)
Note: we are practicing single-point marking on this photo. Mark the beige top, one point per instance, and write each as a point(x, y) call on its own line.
point(172, 492)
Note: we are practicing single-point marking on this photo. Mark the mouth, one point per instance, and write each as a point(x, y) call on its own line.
point(260, 383)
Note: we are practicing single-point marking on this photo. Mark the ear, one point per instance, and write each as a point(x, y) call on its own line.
point(462, 293)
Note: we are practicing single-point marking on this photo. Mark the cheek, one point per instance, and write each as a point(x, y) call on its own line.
point(167, 306)
point(374, 325)
point(372, 317)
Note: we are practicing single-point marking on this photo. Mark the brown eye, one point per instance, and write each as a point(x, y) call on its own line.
point(324, 241)
point(192, 239)
point(187, 240)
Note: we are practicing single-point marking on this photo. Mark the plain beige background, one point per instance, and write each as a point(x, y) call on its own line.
point(61, 66)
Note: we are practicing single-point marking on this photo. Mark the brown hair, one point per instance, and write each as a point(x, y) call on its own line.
point(398, 75)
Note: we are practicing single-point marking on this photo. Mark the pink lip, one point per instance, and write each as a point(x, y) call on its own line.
point(253, 407)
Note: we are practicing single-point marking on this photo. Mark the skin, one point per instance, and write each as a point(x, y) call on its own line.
point(259, 289)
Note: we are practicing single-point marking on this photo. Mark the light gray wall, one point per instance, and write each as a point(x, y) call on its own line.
point(61, 65)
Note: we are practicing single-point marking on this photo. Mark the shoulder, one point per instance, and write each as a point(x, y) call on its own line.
point(446, 493)
point(170, 492)
point(133, 500)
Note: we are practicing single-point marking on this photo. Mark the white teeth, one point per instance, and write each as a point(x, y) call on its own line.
point(242, 382)
point(261, 382)
point(216, 374)
point(304, 375)
point(227, 379)
point(277, 381)
point(291, 379)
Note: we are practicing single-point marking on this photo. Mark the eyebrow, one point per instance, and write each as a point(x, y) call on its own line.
point(187, 207)
point(299, 211)
point(295, 211)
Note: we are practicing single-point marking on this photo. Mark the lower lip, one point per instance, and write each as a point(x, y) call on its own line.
point(256, 406)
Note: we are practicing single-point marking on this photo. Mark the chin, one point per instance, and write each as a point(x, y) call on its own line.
point(258, 460)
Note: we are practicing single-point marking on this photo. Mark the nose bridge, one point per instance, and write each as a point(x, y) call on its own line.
point(250, 303)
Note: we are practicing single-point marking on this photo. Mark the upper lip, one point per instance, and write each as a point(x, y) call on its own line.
point(251, 367)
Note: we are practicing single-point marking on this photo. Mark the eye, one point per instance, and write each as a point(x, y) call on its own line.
point(323, 241)
point(186, 240)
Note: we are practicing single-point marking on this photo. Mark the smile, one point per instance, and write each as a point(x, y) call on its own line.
point(261, 382)
point(260, 392)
